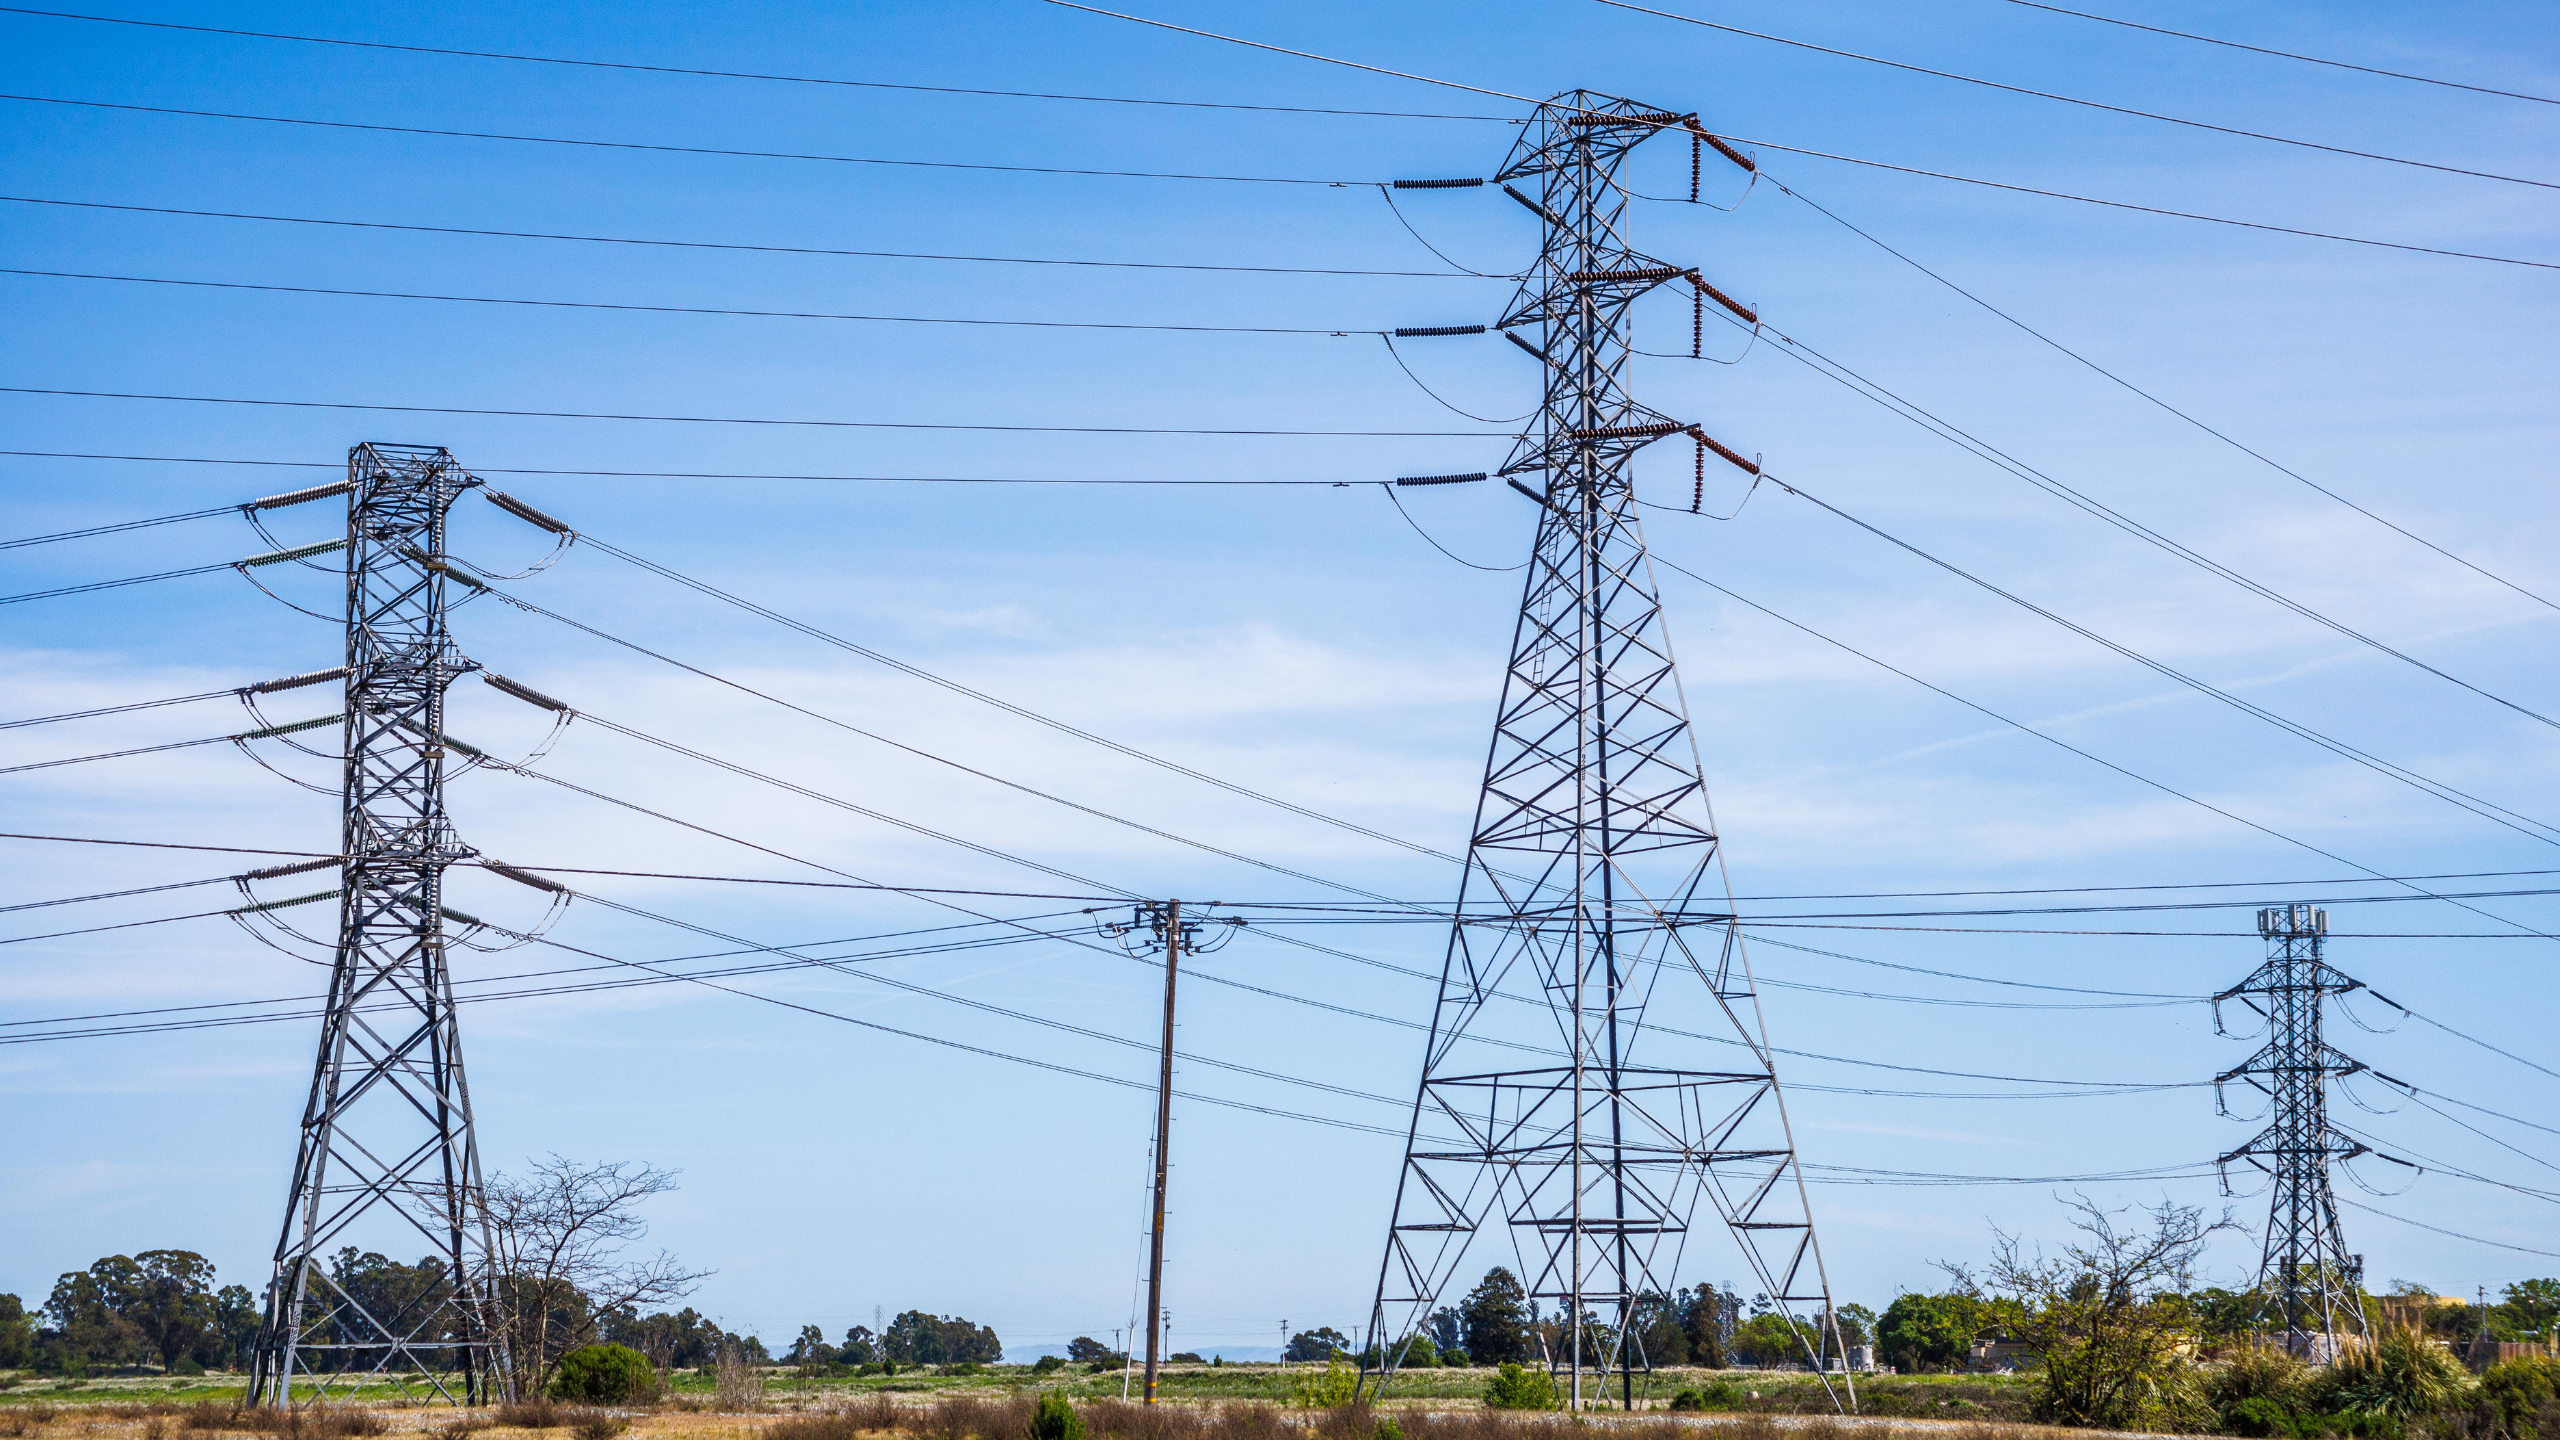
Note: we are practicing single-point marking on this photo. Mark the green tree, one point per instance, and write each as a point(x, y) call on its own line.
point(1056, 1419)
point(171, 1302)
point(1707, 1320)
point(232, 1343)
point(2108, 1317)
point(1322, 1343)
point(2532, 1307)
point(916, 1338)
point(1653, 1323)
point(1857, 1324)
point(1085, 1350)
point(1928, 1332)
point(86, 1312)
point(17, 1334)
point(1769, 1340)
point(1496, 1318)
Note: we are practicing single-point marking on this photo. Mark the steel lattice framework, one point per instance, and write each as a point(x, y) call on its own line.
point(387, 1142)
point(2307, 1281)
point(1592, 844)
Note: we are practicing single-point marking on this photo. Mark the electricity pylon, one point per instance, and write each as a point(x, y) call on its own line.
point(387, 1149)
point(2307, 1281)
point(1592, 845)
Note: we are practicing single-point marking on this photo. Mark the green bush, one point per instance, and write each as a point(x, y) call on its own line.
point(2401, 1375)
point(1453, 1357)
point(1056, 1419)
point(1513, 1388)
point(1047, 1363)
point(2513, 1393)
point(1387, 1429)
point(1330, 1388)
point(1714, 1395)
point(604, 1375)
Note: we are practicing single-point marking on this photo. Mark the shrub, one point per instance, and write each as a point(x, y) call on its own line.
point(1453, 1357)
point(596, 1424)
point(535, 1414)
point(605, 1374)
point(1056, 1419)
point(1387, 1429)
point(2513, 1393)
point(1714, 1395)
point(1047, 1363)
point(1513, 1388)
point(2401, 1374)
point(1331, 1388)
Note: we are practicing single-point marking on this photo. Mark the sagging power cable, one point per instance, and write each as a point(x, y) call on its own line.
point(588, 64)
point(2086, 104)
point(681, 149)
point(634, 308)
point(752, 249)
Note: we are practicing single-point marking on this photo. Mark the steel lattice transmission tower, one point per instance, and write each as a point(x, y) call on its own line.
point(2307, 1281)
point(387, 1150)
point(1592, 846)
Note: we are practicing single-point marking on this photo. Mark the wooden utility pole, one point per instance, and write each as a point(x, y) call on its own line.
point(1169, 931)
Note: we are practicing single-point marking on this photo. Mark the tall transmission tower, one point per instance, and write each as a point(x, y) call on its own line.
point(2307, 1281)
point(387, 1150)
point(1592, 844)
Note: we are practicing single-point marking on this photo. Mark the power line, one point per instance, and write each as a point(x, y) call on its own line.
point(120, 709)
point(2520, 823)
point(747, 74)
point(2086, 104)
point(753, 249)
point(2020, 725)
point(2454, 1234)
point(169, 845)
point(681, 149)
point(688, 309)
point(117, 528)
point(655, 475)
point(112, 584)
point(1983, 450)
point(1014, 785)
point(2110, 375)
point(1877, 164)
point(2149, 209)
point(735, 420)
point(2287, 55)
point(1018, 711)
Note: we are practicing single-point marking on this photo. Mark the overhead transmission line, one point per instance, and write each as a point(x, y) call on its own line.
point(756, 249)
point(2083, 360)
point(2091, 756)
point(2453, 1234)
point(744, 420)
point(1990, 454)
point(2085, 104)
point(642, 475)
point(636, 308)
point(2286, 55)
point(744, 74)
point(2462, 799)
point(712, 150)
point(1823, 154)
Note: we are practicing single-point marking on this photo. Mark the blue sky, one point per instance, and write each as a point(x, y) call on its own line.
point(1301, 639)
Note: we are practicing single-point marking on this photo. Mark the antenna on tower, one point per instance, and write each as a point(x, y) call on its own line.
point(1592, 848)
point(2307, 1281)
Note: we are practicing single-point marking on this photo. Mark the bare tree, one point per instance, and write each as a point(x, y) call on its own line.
point(2108, 1316)
point(559, 1237)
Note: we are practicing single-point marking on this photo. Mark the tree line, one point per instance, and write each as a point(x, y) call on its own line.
point(914, 1338)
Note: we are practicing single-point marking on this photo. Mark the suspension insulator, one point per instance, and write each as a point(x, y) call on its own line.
point(1410, 332)
point(1466, 184)
point(1648, 272)
point(525, 693)
point(271, 731)
point(1629, 432)
point(1709, 441)
point(527, 513)
point(310, 899)
point(1749, 315)
point(297, 497)
point(295, 682)
point(1467, 479)
point(298, 552)
point(299, 867)
point(524, 877)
